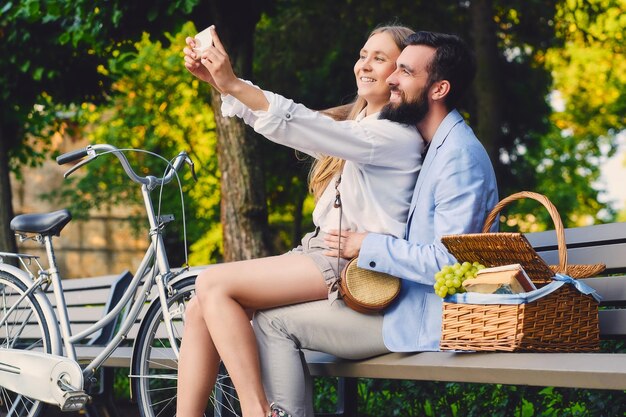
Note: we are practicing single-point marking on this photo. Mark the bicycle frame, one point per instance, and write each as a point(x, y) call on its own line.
point(154, 269)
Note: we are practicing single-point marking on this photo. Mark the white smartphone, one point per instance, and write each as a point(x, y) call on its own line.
point(203, 40)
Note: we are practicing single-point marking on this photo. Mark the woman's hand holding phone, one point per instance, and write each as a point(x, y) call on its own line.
point(193, 64)
point(212, 64)
point(215, 59)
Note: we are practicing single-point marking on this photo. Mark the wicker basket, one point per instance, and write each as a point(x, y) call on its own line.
point(565, 320)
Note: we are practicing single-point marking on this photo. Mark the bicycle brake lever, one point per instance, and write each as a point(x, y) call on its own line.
point(189, 162)
point(79, 165)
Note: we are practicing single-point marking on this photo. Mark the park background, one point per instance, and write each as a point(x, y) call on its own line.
point(548, 104)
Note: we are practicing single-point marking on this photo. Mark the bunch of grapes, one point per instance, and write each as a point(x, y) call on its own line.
point(449, 280)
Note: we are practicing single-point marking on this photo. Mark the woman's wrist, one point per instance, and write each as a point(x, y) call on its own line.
point(232, 88)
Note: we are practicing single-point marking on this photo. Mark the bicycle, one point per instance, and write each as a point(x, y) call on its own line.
point(38, 363)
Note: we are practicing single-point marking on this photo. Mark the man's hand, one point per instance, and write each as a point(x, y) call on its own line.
point(350, 243)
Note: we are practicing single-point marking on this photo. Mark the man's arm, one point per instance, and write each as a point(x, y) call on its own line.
point(463, 191)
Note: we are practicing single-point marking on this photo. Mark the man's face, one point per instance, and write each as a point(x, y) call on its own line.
point(409, 101)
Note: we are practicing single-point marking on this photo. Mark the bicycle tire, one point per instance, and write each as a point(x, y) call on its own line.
point(154, 368)
point(22, 330)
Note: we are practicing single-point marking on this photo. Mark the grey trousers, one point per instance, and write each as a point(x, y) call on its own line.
point(319, 325)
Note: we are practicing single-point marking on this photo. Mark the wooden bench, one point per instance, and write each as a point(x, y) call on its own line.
point(586, 245)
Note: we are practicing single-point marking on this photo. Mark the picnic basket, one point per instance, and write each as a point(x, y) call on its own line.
point(564, 320)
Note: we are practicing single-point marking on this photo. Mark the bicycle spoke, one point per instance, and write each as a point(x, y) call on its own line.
point(154, 376)
point(162, 389)
point(229, 396)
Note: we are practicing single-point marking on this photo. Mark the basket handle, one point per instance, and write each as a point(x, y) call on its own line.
point(556, 219)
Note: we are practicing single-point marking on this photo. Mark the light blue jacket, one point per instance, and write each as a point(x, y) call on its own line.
point(455, 191)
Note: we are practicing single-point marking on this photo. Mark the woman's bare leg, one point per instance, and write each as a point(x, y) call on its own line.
point(225, 292)
point(198, 364)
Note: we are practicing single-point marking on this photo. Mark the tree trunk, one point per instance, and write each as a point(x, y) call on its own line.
point(243, 205)
point(7, 237)
point(487, 84)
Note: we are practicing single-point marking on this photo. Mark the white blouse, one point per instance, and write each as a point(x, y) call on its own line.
point(382, 157)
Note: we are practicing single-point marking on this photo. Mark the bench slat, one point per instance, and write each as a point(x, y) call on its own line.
point(611, 289)
point(582, 370)
point(87, 297)
point(105, 281)
point(612, 323)
point(614, 256)
point(587, 236)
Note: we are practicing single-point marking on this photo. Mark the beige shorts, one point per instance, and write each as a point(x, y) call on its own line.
point(312, 245)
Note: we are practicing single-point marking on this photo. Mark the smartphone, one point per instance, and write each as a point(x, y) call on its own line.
point(203, 40)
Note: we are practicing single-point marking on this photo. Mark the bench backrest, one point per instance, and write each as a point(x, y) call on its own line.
point(605, 244)
point(88, 300)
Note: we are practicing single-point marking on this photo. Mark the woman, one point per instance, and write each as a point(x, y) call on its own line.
point(382, 160)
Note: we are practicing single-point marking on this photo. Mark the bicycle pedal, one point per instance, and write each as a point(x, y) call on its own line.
point(74, 400)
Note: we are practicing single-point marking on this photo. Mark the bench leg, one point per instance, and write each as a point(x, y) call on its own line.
point(347, 399)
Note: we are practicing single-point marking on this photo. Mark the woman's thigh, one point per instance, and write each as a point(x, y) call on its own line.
point(265, 282)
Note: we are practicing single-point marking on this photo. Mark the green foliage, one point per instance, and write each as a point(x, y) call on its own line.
point(50, 52)
point(121, 383)
point(154, 105)
point(590, 80)
point(442, 399)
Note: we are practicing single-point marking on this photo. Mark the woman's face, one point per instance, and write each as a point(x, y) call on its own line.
point(377, 60)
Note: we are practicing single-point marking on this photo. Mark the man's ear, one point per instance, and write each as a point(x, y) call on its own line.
point(440, 90)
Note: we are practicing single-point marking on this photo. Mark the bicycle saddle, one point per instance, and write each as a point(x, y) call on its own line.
point(44, 224)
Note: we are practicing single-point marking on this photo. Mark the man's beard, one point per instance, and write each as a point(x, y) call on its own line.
point(407, 112)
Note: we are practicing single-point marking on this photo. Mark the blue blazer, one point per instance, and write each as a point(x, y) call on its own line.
point(455, 191)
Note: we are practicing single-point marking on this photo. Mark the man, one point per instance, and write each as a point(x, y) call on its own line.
point(454, 192)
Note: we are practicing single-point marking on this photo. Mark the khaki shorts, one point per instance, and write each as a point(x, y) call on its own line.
point(312, 245)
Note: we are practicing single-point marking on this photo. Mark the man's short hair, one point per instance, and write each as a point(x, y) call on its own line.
point(453, 61)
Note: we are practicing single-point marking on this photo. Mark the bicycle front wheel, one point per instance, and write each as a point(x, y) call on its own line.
point(155, 366)
point(22, 326)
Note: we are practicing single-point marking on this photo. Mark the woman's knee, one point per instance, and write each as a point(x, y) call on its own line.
point(211, 283)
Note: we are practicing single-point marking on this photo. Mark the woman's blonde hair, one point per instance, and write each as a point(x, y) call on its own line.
point(325, 168)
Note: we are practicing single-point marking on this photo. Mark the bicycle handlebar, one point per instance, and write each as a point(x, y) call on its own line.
point(71, 156)
point(150, 181)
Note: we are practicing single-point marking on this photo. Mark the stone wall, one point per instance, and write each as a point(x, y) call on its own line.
point(105, 244)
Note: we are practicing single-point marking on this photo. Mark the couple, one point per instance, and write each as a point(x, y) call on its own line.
point(408, 86)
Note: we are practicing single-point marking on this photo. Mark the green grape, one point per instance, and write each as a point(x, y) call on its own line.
point(449, 280)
